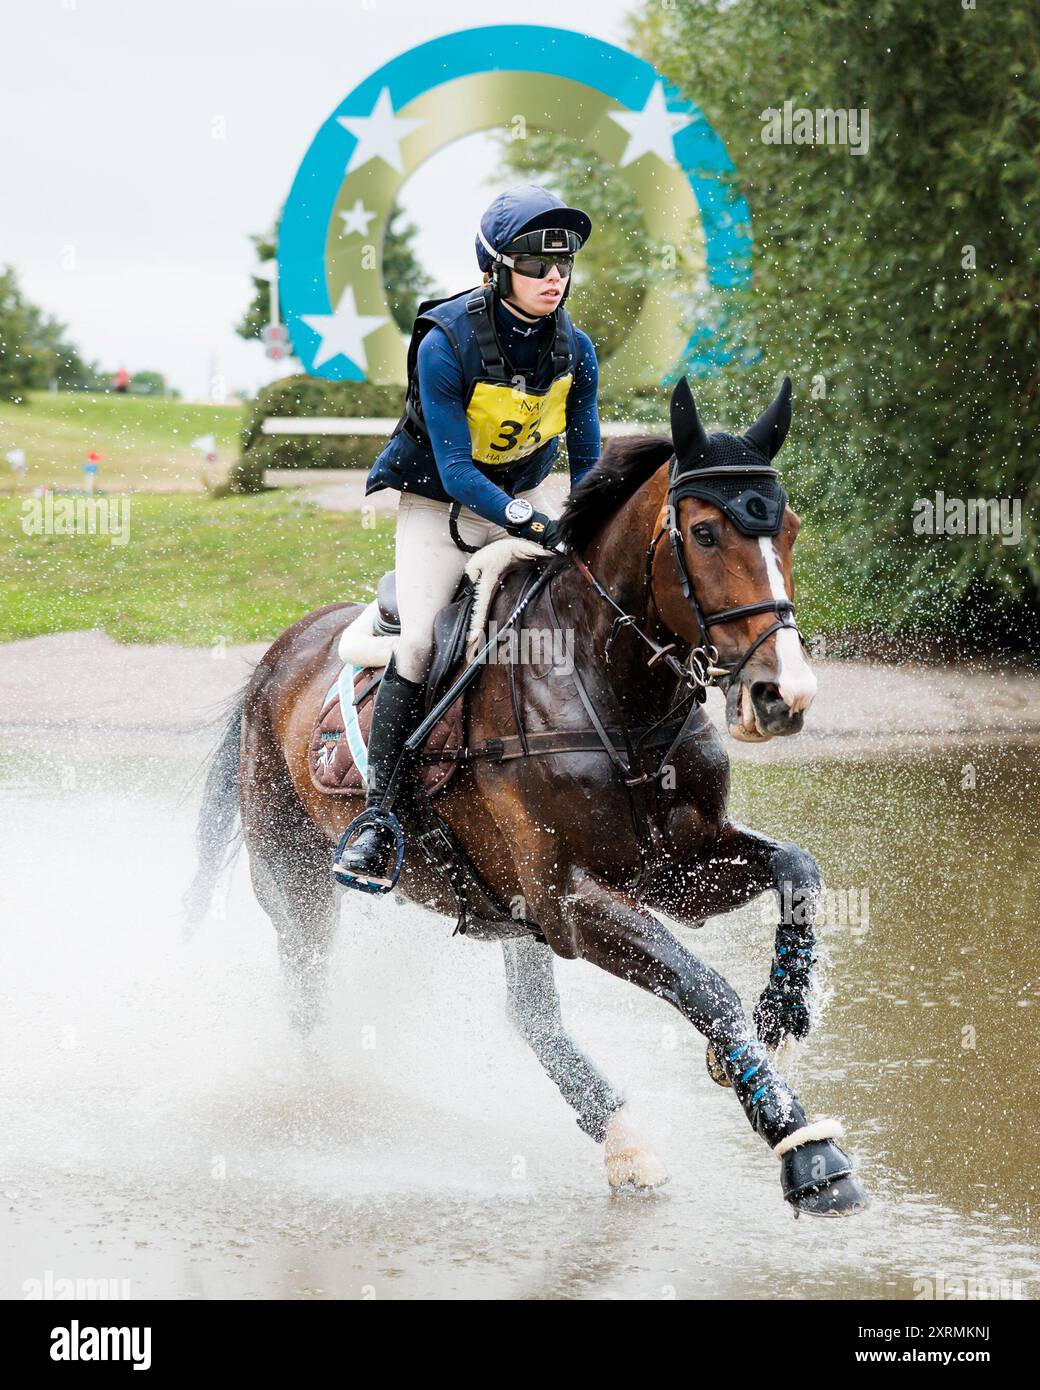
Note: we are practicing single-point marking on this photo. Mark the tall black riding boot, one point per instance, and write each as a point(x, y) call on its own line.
point(396, 713)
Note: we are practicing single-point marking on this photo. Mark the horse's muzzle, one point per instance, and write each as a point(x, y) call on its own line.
point(756, 711)
point(772, 713)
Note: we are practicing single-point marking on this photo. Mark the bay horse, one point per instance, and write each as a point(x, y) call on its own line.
point(592, 842)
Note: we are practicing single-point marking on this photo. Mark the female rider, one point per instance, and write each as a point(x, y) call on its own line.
point(489, 393)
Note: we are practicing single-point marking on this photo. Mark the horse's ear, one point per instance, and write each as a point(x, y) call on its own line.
point(770, 429)
point(688, 434)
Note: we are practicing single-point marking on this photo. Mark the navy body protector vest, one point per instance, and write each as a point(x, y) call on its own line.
point(515, 416)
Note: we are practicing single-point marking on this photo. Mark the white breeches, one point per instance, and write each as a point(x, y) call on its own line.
point(429, 566)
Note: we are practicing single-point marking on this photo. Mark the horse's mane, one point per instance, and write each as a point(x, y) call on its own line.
point(623, 467)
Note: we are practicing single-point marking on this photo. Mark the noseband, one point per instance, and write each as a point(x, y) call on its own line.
point(756, 509)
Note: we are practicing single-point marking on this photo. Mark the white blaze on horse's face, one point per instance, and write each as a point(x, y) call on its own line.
point(794, 677)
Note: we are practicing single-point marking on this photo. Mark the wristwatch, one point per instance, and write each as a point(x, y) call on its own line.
point(519, 511)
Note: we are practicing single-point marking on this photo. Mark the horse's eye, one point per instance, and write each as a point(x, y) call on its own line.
point(703, 535)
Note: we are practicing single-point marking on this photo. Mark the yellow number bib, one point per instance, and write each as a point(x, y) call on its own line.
point(506, 423)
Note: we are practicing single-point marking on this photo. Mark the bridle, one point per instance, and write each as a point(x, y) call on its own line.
point(702, 668)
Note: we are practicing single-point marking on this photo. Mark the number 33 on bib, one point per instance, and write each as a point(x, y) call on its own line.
point(509, 422)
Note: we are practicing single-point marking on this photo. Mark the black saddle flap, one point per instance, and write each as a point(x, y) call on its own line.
point(449, 640)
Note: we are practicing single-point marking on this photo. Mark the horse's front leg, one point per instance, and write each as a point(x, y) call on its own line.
point(736, 868)
point(616, 934)
point(534, 1010)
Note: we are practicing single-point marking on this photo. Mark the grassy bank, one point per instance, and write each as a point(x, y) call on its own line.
point(195, 570)
point(144, 442)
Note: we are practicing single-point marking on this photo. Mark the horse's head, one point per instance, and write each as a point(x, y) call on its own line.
point(728, 581)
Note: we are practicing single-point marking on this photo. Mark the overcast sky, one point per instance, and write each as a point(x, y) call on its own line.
point(122, 214)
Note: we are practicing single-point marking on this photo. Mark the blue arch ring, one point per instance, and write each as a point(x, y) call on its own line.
point(625, 78)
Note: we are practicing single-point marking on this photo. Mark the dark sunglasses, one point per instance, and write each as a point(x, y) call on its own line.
point(537, 269)
point(534, 254)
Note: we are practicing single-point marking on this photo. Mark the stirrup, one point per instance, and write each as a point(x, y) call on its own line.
point(374, 815)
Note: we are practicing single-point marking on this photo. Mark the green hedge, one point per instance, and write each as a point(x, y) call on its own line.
point(305, 395)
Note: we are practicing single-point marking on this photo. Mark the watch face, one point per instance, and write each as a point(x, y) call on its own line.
point(518, 511)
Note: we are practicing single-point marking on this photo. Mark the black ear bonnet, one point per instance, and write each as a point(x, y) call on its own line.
point(732, 472)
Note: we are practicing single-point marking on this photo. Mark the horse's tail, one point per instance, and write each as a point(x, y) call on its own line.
point(218, 837)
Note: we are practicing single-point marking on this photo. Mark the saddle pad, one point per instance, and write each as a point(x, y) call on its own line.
point(337, 756)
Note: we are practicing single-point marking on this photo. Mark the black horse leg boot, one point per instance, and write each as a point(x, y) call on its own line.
point(815, 1175)
point(398, 706)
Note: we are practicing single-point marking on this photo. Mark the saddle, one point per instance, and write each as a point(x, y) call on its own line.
point(336, 755)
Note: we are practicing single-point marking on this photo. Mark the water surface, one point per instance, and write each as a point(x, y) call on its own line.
point(161, 1124)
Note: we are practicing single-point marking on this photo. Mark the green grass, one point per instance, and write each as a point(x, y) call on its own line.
point(144, 443)
point(194, 571)
point(197, 569)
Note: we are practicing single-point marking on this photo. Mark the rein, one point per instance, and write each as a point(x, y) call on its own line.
point(694, 679)
point(700, 671)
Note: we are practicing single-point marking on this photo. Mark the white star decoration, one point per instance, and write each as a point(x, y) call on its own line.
point(343, 331)
point(650, 131)
point(379, 135)
point(357, 219)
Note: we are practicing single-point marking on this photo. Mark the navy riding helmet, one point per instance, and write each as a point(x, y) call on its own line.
point(532, 221)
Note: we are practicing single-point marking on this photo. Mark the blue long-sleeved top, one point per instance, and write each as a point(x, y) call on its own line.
point(444, 411)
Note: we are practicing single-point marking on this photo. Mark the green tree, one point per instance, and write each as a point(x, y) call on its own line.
point(403, 274)
point(406, 281)
point(148, 384)
point(33, 348)
point(903, 283)
point(258, 313)
point(75, 374)
point(17, 366)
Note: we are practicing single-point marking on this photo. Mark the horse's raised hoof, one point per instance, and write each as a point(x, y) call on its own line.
point(845, 1197)
point(817, 1178)
point(632, 1164)
point(715, 1068)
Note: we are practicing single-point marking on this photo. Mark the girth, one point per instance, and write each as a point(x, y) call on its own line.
point(511, 746)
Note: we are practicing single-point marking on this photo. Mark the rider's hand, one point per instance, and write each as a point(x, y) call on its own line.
point(552, 540)
point(541, 529)
point(784, 1006)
